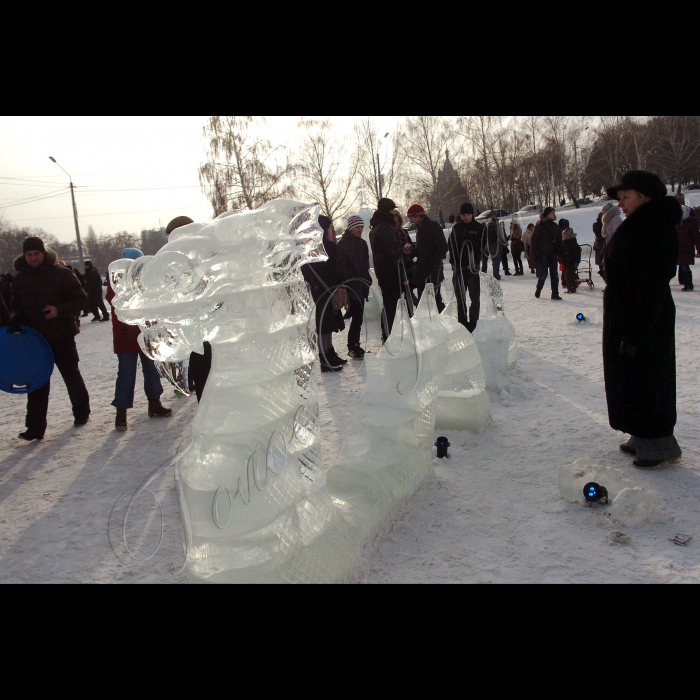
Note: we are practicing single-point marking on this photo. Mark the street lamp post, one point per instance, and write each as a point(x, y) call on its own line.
point(75, 217)
point(379, 169)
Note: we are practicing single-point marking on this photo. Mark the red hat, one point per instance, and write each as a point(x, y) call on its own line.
point(416, 210)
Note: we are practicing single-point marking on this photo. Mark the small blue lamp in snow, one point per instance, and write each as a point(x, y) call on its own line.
point(442, 444)
point(595, 493)
point(581, 318)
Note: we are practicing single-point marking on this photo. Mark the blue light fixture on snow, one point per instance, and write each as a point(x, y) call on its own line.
point(595, 493)
point(442, 444)
point(580, 318)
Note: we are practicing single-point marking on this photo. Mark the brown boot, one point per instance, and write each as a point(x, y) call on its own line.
point(121, 425)
point(157, 410)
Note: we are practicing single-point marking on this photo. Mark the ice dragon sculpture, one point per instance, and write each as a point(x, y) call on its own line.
point(256, 503)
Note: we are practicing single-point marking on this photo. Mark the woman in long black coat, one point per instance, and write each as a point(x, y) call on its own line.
point(639, 342)
point(323, 279)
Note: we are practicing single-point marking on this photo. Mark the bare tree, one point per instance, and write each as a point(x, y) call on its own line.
point(380, 170)
point(243, 169)
point(326, 170)
point(426, 142)
point(677, 147)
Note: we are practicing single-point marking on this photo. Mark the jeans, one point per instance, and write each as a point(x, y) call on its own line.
point(496, 259)
point(472, 286)
point(66, 359)
point(549, 265)
point(126, 379)
point(357, 309)
point(200, 366)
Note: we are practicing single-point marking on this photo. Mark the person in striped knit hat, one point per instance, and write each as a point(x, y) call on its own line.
point(352, 266)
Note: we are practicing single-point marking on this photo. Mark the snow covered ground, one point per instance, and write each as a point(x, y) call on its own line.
point(491, 514)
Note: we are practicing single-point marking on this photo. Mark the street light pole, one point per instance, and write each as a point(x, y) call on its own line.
point(75, 217)
point(379, 169)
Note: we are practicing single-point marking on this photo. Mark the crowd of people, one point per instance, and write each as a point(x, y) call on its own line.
point(51, 298)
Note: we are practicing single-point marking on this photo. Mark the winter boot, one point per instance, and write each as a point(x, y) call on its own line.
point(31, 435)
point(96, 319)
point(334, 359)
point(538, 293)
point(556, 297)
point(106, 318)
point(157, 410)
point(356, 353)
point(121, 424)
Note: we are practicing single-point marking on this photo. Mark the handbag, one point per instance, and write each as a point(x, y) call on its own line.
point(340, 299)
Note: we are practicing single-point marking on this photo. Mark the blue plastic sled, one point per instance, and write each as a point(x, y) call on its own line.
point(26, 361)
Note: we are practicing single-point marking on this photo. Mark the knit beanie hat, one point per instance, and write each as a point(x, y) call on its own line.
point(386, 205)
point(355, 222)
point(564, 224)
point(416, 210)
point(467, 208)
point(33, 244)
point(547, 212)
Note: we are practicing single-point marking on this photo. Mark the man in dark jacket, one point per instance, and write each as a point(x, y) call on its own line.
point(547, 245)
point(599, 246)
point(387, 252)
point(352, 267)
point(466, 245)
point(93, 287)
point(47, 297)
point(639, 327)
point(432, 251)
point(689, 242)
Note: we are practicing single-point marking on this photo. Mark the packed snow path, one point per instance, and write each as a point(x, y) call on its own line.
point(491, 514)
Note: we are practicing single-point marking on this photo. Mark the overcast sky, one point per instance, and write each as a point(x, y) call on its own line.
point(132, 173)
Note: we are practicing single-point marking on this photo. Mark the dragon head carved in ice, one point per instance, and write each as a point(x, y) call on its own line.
point(219, 282)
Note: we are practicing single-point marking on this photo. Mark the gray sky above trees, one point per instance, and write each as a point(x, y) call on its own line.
point(118, 164)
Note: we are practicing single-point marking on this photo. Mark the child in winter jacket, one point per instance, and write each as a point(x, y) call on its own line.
point(571, 259)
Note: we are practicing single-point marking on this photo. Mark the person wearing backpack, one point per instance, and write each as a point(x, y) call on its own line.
point(547, 246)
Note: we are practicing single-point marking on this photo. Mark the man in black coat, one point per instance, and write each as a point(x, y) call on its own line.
point(639, 342)
point(352, 268)
point(47, 298)
point(466, 244)
point(547, 246)
point(93, 287)
point(432, 251)
point(387, 252)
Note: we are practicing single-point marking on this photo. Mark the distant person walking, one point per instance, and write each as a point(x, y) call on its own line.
point(612, 220)
point(47, 298)
point(4, 312)
point(639, 342)
point(128, 352)
point(689, 243)
point(93, 287)
point(517, 248)
point(431, 253)
point(466, 245)
point(505, 249)
point(547, 246)
point(352, 267)
point(527, 240)
point(599, 245)
point(492, 248)
point(387, 252)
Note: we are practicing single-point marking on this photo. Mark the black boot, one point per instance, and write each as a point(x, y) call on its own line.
point(32, 434)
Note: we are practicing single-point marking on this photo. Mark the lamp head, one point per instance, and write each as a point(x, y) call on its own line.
point(595, 493)
point(580, 318)
point(52, 159)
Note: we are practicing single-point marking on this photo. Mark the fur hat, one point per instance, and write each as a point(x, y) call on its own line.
point(33, 243)
point(467, 208)
point(178, 223)
point(641, 181)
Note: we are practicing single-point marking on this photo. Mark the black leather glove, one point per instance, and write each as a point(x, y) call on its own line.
point(627, 349)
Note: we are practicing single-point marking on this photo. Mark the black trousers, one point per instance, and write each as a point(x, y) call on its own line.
point(98, 305)
point(66, 358)
point(504, 262)
point(200, 366)
point(391, 296)
point(518, 261)
point(472, 287)
point(436, 279)
point(357, 310)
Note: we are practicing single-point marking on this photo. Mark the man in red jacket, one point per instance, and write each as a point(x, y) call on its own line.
point(127, 349)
